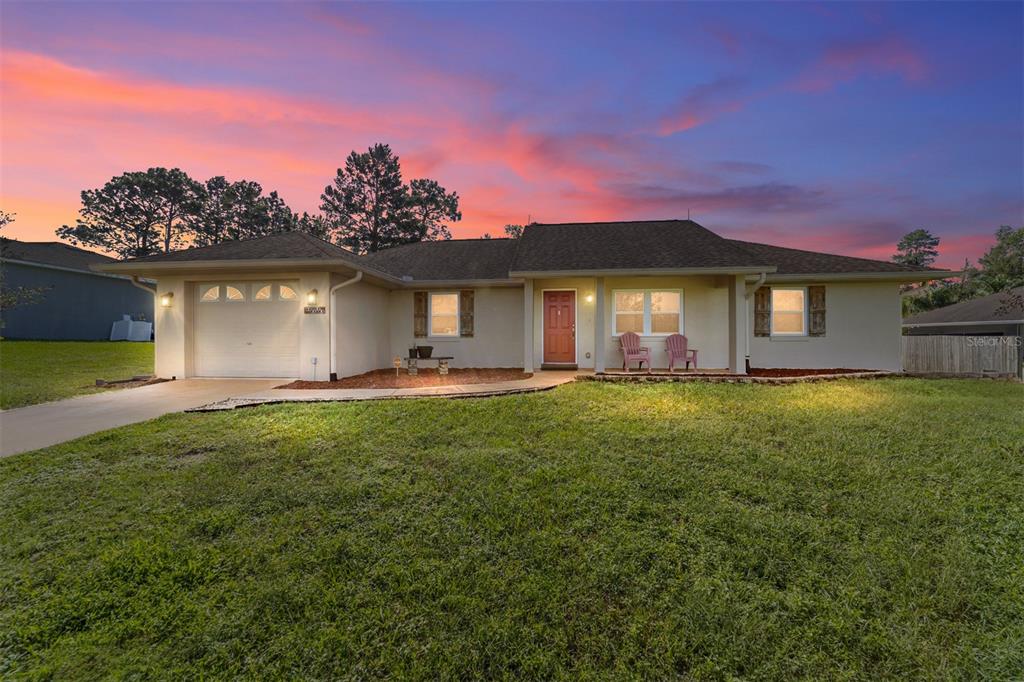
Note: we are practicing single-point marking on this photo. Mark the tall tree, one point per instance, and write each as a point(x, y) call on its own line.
point(917, 248)
point(239, 210)
point(514, 231)
point(368, 208)
point(136, 213)
point(429, 207)
point(1003, 264)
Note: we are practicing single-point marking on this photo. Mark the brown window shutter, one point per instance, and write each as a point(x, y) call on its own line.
point(763, 312)
point(816, 294)
point(419, 313)
point(466, 312)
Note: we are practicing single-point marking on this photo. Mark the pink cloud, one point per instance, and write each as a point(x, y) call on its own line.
point(844, 63)
point(703, 104)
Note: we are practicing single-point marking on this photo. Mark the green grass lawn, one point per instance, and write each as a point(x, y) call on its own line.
point(848, 530)
point(40, 371)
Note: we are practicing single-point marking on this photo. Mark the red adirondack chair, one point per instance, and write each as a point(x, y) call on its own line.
point(632, 350)
point(676, 347)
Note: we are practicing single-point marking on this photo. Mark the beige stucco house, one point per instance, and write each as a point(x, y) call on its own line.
point(290, 305)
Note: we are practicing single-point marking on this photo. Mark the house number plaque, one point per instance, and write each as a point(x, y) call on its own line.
point(315, 309)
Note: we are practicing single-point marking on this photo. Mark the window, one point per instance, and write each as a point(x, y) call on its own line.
point(789, 312)
point(262, 293)
point(629, 312)
point(648, 312)
point(286, 293)
point(209, 293)
point(444, 314)
point(233, 294)
point(665, 312)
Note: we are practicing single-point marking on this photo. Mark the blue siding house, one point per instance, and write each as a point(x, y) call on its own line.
point(75, 303)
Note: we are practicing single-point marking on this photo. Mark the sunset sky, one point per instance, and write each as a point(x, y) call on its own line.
point(834, 127)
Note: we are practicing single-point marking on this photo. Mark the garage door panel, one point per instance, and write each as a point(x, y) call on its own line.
point(247, 338)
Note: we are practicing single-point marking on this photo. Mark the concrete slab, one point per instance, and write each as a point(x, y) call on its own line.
point(39, 426)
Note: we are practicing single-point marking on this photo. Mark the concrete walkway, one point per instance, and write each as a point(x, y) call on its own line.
point(39, 426)
point(540, 381)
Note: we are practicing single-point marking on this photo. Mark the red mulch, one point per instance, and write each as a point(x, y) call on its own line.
point(385, 378)
point(784, 372)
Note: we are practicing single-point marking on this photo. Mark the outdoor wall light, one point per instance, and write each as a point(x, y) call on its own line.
point(590, 298)
point(311, 297)
point(166, 299)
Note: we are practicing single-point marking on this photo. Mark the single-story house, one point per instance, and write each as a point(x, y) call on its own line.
point(1000, 314)
point(74, 301)
point(290, 305)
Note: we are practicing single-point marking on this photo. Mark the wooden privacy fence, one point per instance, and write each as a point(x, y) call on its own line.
point(963, 355)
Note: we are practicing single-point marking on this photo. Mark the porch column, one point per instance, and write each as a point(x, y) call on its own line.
point(528, 326)
point(737, 324)
point(599, 331)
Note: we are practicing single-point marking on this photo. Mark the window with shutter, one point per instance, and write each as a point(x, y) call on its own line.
point(466, 312)
point(816, 296)
point(763, 312)
point(419, 313)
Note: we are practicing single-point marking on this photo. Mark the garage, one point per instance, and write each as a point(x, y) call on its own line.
point(246, 329)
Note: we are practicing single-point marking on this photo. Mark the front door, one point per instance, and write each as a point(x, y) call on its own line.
point(560, 327)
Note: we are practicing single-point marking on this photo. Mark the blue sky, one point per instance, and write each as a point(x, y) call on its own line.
point(833, 127)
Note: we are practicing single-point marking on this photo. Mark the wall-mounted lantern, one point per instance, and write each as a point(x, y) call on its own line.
point(590, 298)
point(166, 299)
point(311, 297)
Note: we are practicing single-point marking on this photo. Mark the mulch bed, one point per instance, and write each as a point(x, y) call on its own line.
point(755, 376)
point(385, 378)
point(760, 372)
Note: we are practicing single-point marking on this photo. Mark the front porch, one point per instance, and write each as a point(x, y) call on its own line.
point(575, 322)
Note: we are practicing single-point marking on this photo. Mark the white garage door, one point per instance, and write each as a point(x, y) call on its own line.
point(247, 329)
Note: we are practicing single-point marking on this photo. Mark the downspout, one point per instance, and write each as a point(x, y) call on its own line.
point(333, 375)
point(746, 302)
point(757, 285)
point(140, 285)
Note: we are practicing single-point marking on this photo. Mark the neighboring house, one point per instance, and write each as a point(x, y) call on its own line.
point(557, 297)
point(1000, 314)
point(75, 302)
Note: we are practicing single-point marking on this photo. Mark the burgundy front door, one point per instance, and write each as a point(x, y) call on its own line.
point(560, 327)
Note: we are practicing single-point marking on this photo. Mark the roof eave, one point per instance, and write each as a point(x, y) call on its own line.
point(235, 265)
point(864, 276)
point(634, 272)
point(975, 323)
point(455, 283)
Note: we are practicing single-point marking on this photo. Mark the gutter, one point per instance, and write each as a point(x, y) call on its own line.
point(985, 323)
point(332, 370)
point(909, 276)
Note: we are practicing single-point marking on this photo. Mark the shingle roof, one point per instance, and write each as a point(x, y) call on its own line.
point(298, 245)
point(457, 259)
point(559, 247)
point(992, 308)
point(640, 245)
point(797, 261)
point(51, 253)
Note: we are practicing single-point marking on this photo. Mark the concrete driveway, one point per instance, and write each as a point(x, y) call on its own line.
point(39, 426)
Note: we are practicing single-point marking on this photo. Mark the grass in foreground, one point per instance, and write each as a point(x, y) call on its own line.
point(40, 371)
point(852, 530)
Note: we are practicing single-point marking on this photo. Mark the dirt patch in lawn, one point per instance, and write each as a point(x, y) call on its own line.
point(386, 378)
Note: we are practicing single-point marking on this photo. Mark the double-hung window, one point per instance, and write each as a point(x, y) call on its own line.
point(649, 312)
point(789, 311)
point(444, 314)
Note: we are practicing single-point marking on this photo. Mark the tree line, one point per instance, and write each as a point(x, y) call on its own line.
point(999, 269)
point(366, 207)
